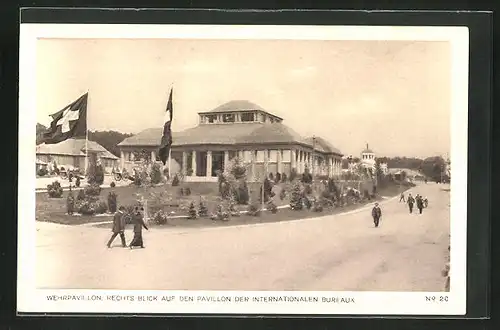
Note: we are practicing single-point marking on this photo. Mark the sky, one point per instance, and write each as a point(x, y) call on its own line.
point(393, 95)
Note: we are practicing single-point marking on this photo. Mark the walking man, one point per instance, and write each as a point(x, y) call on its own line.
point(420, 204)
point(410, 202)
point(118, 227)
point(376, 214)
point(402, 198)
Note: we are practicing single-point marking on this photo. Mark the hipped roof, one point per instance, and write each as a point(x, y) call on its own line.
point(230, 134)
point(73, 147)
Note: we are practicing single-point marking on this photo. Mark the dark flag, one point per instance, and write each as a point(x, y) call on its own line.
point(166, 139)
point(69, 122)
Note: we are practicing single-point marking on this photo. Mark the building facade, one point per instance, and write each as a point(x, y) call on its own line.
point(236, 129)
point(71, 154)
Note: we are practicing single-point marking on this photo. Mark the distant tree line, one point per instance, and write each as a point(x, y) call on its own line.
point(432, 167)
point(108, 139)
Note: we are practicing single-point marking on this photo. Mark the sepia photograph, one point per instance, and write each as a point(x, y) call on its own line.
point(243, 169)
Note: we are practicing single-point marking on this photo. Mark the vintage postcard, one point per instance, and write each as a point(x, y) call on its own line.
point(211, 169)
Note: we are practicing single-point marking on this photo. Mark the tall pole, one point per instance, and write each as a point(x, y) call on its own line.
point(169, 162)
point(313, 157)
point(87, 137)
point(170, 149)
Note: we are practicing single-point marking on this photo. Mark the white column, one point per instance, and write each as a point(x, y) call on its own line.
point(153, 156)
point(226, 159)
point(209, 163)
point(193, 163)
point(279, 164)
point(122, 159)
point(293, 160)
point(240, 155)
point(184, 163)
point(266, 163)
point(254, 176)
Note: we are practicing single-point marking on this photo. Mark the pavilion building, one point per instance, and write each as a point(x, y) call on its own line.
point(236, 129)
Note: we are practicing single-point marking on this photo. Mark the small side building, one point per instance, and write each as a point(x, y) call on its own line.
point(236, 129)
point(71, 153)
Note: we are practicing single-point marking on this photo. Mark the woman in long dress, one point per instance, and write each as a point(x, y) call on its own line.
point(138, 221)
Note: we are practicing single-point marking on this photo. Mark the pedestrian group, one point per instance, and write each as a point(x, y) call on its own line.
point(420, 201)
point(119, 223)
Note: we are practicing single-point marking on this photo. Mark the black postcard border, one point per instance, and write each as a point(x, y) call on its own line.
point(480, 106)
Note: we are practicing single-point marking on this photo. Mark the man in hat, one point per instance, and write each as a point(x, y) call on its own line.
point(420, 203)
point(410, 202)
point(376, 214)
point(118, 227)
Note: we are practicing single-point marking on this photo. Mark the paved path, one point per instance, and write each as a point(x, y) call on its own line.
point(338, 252)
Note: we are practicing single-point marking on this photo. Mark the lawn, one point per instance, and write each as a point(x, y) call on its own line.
point(54, 209)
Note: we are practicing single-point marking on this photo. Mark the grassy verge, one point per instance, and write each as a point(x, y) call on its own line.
point(54, 209)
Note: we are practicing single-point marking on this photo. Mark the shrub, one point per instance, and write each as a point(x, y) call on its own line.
point(42, 171)
point(187, 191)
point(241, 194)
point(306, 176)
point(77, 182)
point(271, 176)
point(92, 190)
point(85, 208)
point(175, 181)
point(283, 177)
point(91, 205)
point(160, 218)
point(254, 209)
point(155, 174)
point(237, 169)
point(307, 202)
point(272, 207)
point(282, 193)
point(293, 174)
point(101, 207)
point(278, 177)
point(99, 174)
point(307, 189)
point(317, 206)
point(202, 209)
point(192, 214)
point(268, 191)
point(55, 190)
point(112, 184)
point(296, 197)
point(224, 186)
point(221, 214)
point(70, 203)
point(112, 202)
point(81, 195)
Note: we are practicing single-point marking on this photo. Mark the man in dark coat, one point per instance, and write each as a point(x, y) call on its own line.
point(410, 202)
point(138, 221)
point(118, 227)
point(420, 204)
point(376, 214)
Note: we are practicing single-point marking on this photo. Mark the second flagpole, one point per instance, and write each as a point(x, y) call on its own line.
point(87, 137)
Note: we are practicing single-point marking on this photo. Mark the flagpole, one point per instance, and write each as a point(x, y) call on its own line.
point(170, 149)
point(86, 138)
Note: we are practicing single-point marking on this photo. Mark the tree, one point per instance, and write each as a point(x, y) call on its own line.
point(108, 139)
point(296, 197)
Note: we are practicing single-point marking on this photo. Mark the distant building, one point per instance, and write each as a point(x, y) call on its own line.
point(237, 129)
point(71, 154)
point(368, 158)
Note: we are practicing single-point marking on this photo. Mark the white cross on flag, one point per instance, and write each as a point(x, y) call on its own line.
point(69, 122)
